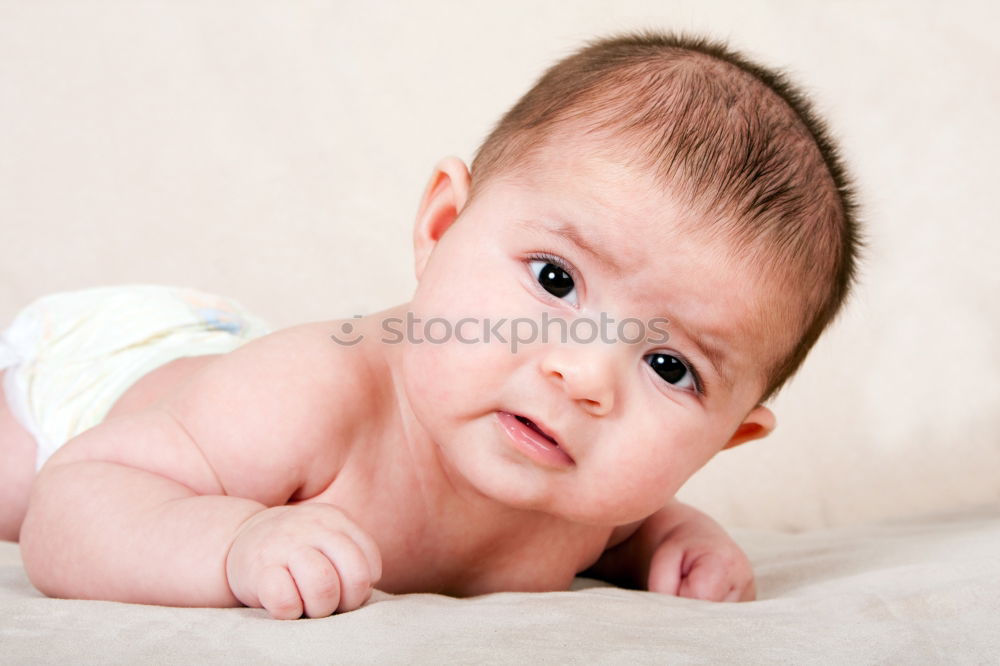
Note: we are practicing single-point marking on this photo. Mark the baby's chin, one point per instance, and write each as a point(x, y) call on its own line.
point(610, 518)
point(609, 508)
point(566, 507)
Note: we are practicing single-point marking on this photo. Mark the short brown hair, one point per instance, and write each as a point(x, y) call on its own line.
point(738, 141)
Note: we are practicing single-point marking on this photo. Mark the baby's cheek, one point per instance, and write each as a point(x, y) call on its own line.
point(625, 493)
point(426, 374)
point(647, 473)
point(449, 371)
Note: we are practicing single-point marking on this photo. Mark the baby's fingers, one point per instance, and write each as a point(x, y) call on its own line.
point(747, 592)
point(665, 570)
point(277, 593)
point(317, 581)
point(708, 577)
point(352, 567)
point(368, 547)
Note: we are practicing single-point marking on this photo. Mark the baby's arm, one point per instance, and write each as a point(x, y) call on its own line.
point(680, 551)
point(109, 527)
point(146, 507)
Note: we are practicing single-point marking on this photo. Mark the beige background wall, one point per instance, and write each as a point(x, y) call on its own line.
point(275, 152)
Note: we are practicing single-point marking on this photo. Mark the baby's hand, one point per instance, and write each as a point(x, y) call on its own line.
point(302, 559)
point(699, 560)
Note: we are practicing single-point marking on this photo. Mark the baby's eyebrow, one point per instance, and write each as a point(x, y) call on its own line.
point(570, 233)
point(715, 355)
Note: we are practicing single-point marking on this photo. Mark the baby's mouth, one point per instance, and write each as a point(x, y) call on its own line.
point(531, 424)
point(532, 440)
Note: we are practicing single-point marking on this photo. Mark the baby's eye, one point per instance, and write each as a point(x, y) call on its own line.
point(555, 280)
point(672, 370)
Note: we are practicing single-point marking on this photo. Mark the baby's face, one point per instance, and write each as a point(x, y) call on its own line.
point(633, 413)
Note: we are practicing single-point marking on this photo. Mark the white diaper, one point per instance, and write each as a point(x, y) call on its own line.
point(70, 356)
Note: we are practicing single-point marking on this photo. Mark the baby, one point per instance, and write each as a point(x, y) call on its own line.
point(647, 246)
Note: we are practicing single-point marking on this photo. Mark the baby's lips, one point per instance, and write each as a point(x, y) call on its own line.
point(540, 429)
point(545, 431)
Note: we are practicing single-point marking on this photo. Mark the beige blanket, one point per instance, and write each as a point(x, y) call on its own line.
point(914, 592)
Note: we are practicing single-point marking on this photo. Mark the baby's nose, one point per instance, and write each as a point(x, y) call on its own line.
point(587, 376)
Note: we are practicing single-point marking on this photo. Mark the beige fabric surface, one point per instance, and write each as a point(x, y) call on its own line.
point(915, 592)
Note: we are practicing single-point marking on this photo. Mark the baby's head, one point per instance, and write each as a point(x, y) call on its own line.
point(735, 143)
point(645, 176)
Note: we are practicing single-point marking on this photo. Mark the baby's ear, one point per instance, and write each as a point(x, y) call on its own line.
point(760, 422)
point(440, 205)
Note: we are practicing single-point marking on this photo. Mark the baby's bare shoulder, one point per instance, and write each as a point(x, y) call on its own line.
point(303, 358)
point(278, 414)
